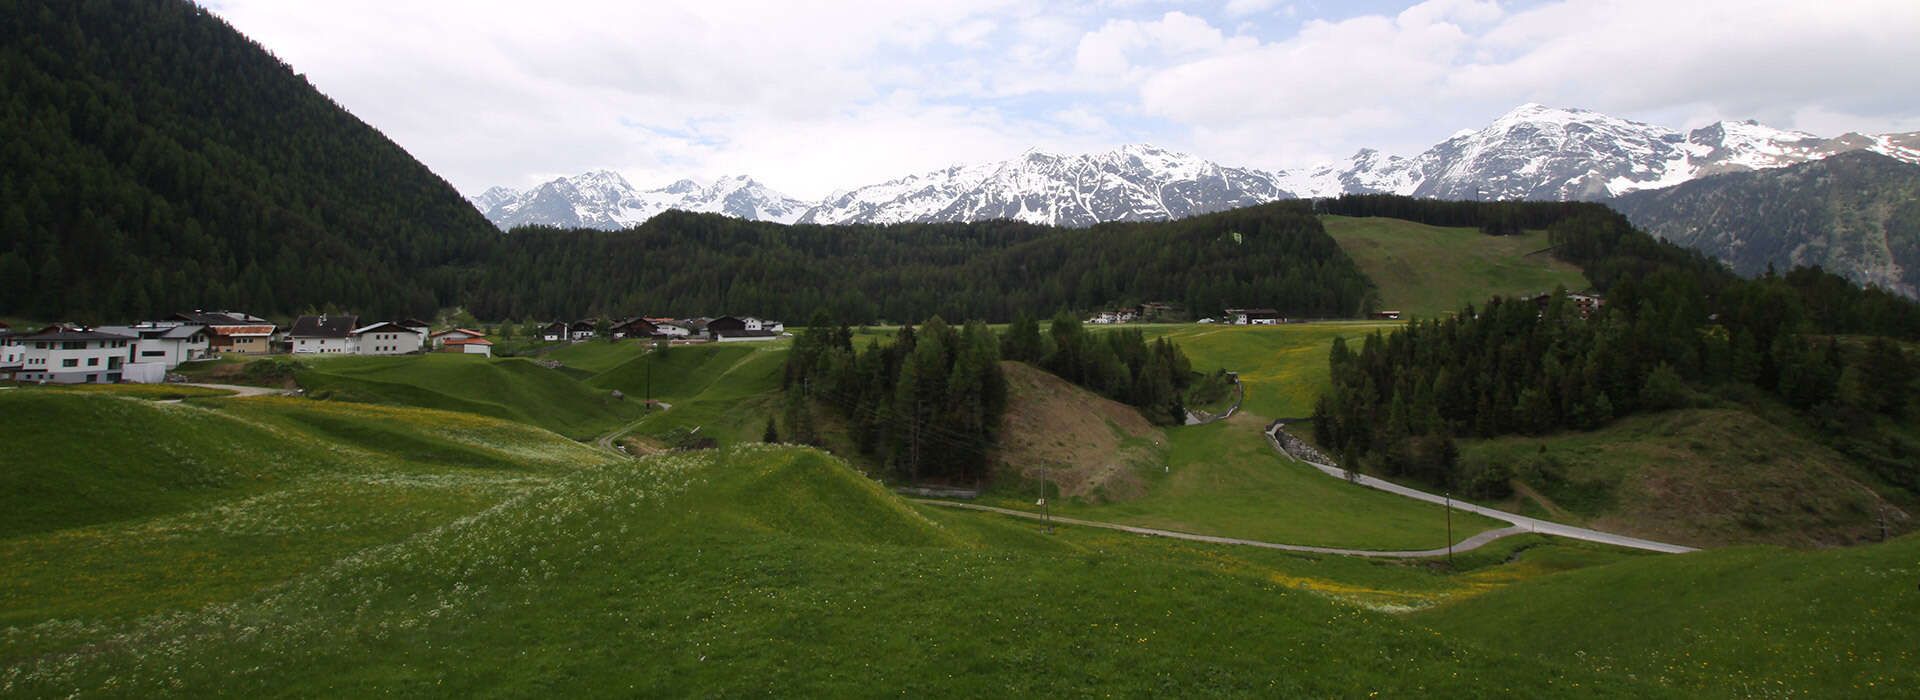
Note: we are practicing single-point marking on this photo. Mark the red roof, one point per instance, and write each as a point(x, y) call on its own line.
point(469, 341)
point(468, 331)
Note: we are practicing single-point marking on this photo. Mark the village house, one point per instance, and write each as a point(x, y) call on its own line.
point(553, 332)
point(636, 327)
point(582, 329)
point(232, 331)
point(469, 346)
point(731, 329)
point(1584, 304)
point(441, 338)
point(418, 326)
point(1253, 317)
point(385, 338)
point(1386, 315)
point(11, 352)
point(1111, 317)
point(166, 343)
point(323, 335)
point(66, 355)
point(669, 328)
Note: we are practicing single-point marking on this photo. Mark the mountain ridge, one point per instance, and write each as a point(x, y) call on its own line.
point(1534, 151)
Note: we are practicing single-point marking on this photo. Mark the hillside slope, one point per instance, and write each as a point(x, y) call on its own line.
point(157, 160)
point(513, 389)
point(1855, 214)
point(1425, 271)
point(1089, 446)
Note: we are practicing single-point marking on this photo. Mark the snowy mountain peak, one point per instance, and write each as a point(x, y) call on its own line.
point(603, 199)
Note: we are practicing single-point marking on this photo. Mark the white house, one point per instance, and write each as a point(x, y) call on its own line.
point(11, 352)
point(166, 343)
point(440, 339)
point(386, 339)
point(674, 329)
point(1110, 317)
point(323, 335)
point(73, 356)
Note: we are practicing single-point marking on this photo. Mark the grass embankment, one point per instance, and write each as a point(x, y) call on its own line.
point(118, 509)
point(510, 388)
point(727, 391)
point(1746, 622)
point(779, 570)
point(1428, 271)
point(1704, 477)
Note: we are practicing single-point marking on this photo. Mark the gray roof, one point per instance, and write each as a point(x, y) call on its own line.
point(68, 334)
point(335, 326)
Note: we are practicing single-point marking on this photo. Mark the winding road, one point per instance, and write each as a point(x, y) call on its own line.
point(605, 442)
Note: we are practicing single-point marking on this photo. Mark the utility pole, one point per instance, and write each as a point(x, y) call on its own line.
point(1449, 495)
point(649, 403)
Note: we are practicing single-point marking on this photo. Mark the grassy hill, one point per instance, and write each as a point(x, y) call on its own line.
point(1427, 271)
point(509, 388)
point(1705, 477)
point(715, 572)
point(725, 391)
point(1283, 367)
point(1748, 622)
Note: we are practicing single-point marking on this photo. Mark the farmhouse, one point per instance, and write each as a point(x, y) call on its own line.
point(417, 326)
point(636, 327)
point(469, 346)
point(323, 335)
point(1386, 315)
point(1253, 317)
point(63, 355)
point(582, 329)
point(232, 331)
point(554, 331)
point(731, 329)
point(670, 328)
point(1111, 317)
point(441, 338)
point(11, 352)
point(385, 338)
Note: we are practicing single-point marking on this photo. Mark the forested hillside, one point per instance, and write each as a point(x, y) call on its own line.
point(1275, 255)
point(155, 159)
point(1674, 322)
point(1855, 214)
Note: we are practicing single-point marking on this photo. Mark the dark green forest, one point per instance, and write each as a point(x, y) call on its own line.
point(1275, 255)
point(156, 160)
point(1675, 324)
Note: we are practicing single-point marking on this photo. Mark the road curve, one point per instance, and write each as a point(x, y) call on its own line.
point(605, 442)
point(240, 391)
point(1470, 543)
point(1524, 523)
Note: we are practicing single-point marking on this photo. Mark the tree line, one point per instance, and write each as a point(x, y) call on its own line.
point(1674, 323)
point(1118, 364)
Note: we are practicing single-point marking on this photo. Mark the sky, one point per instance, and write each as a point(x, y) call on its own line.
point(811, 97)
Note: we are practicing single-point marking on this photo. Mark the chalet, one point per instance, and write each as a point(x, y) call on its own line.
point(733, 329)
point(635, 327)
point(582, 330)
point(323, 335)
point(1585, 304)
point(1253, 317)
point(11, 352)
point(554, 331)
point(418, 326)
point(166, 343)
point(385, 338)
point(441, 338)
point(65, 355)
point(670, 328)
point(232, 331)
point(1386, 315)
point(469, 346)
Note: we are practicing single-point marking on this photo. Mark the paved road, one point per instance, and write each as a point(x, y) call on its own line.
point(1526, 524)
point(1470, 543)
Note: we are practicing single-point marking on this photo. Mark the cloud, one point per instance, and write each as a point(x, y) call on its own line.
point(811, 97)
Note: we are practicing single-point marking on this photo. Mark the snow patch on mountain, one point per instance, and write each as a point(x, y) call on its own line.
point(603, 199)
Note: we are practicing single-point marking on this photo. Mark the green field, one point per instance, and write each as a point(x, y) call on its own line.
point(725, 391)
point(1428, 271)
point(509, 388)
point(1284, 368)
point(1223, 479)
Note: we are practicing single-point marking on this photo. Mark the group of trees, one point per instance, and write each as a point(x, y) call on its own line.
point(1119, 364)
point(928, 404)
point(157, 160)
point(1673, 322)
point(1274, 256)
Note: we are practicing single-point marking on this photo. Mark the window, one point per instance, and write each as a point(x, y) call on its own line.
point(70, 362)
point(153, 353)
point(93, 362)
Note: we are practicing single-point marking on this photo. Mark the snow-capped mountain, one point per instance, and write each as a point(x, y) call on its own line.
point(1531, 152)
point(1131, 183)
point(1541, 152)
point(604, 200)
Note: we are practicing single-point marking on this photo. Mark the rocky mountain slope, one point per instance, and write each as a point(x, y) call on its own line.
point(604, 200)
point(1531, 152)
point(1855, 214)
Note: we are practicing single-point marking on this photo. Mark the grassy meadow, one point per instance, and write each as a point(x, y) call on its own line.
point(1428, 271)
point(515, 389)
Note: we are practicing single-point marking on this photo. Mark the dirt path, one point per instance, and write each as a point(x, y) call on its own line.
point(605, 442)
point(241, 391)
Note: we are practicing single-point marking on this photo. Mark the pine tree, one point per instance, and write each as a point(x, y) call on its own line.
point(771, 435)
